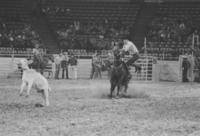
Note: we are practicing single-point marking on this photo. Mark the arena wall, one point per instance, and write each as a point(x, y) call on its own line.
point(167, 71)
point(8, 68)
point(161, 71)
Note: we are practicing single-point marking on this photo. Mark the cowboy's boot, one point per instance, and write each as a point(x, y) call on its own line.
point(128, 70)
point(137, 68)
point(129, 76)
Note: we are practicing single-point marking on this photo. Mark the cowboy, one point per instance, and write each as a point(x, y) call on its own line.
point(130, 48)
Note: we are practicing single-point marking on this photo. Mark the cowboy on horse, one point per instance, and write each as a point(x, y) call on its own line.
point(120, 75)
point(130, 49)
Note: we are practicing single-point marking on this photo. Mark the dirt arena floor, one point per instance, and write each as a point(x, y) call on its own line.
point(82, 108)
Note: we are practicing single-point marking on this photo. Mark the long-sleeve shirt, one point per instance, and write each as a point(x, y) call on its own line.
point(130, 47)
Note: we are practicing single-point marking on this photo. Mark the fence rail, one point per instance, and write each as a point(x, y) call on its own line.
point(84, 67)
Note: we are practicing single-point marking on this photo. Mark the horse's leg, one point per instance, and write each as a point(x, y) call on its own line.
point(118, 89)
point(137, 67)
point(109, 73)
point(112, 88)
point(120, 85)
point(100, 73)
point(125, 88)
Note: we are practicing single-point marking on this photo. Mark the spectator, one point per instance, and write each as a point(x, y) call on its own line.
point(57, 63)
point(64, 64)
point(96, 67)
point(185, 67)
point(53, 68)
point(73, 62)
point(92, 64)
point(195, 38)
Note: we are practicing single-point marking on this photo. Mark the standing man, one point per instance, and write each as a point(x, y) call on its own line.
point(73, 62)
point(37, 58)
point(96, 66)
point(185, 67)
point(57, 63)
point(93, 67)
point(64, 65)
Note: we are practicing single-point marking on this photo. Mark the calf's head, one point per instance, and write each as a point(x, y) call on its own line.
point(23, 64)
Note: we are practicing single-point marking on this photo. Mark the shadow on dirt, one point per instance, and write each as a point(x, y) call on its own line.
point(135, 95)
point(18, 106)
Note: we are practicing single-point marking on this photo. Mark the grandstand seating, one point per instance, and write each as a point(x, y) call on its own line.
point(63, 14)
point(169, 17)
point(84, 11)
point(16, 30)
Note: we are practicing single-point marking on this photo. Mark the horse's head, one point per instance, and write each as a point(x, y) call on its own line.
point(106, 65)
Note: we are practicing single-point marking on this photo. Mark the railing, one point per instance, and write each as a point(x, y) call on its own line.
point(146, 62)
point(16, 52)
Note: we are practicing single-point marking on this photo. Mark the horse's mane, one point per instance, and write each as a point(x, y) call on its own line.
point(122, 65)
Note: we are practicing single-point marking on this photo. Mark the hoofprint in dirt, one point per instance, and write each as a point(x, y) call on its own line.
point(82, 108)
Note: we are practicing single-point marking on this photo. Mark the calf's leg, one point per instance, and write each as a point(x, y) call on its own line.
point(29, 88)
point(45, 95)
point(22, 88)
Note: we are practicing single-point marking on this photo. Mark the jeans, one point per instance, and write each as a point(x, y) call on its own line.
point(57, 71)
point(65, 70)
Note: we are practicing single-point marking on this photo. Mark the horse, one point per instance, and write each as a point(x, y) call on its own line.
point(119, 77)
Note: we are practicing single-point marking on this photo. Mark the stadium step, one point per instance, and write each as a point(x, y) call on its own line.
point(47, 35)
point(144, 16)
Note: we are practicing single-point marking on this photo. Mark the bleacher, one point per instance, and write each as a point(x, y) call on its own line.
point(189, 13)
point(15, 29)
point(62, 14)
point(84, 11)
point(13, 9)
point(168, 50)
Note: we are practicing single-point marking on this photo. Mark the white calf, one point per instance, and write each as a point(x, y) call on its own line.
point(33, 79)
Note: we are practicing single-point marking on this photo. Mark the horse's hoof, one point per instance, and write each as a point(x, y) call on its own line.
point(47, 104)
point(117, 97)
point(39, 105)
